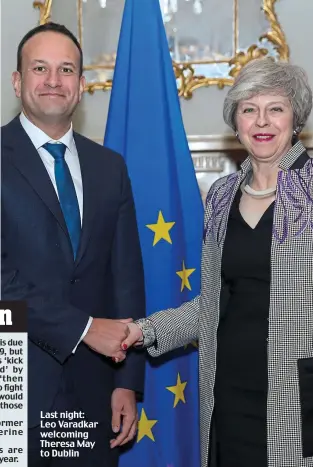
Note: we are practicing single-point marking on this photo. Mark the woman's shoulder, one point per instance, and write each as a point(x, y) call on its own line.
point(221, 184)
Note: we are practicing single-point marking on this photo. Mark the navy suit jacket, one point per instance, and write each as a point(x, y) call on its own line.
point(105, 281)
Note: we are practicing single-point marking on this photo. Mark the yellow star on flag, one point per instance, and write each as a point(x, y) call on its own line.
point(193, 343)
point(145, 427)
point(184, 275)
point(178, 390)
point(161, 229)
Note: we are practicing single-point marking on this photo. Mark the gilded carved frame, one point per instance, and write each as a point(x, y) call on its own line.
point(187, 80)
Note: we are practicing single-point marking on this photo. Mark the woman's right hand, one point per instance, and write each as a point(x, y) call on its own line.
point(134, 338)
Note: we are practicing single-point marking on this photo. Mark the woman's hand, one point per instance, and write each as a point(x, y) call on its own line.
point(134, 338)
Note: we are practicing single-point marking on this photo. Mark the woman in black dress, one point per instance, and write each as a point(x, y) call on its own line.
point(256, 340)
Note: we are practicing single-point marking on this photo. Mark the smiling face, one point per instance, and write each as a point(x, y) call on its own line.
point(49, 84)
point(265, 126)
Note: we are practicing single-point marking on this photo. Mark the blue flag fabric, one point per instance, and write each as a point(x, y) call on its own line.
point(145, 126)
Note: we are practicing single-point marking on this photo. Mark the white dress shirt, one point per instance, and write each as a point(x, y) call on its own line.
point(39, 138)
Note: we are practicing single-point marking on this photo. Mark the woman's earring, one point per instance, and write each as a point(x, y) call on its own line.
point(296, 131)
point(237, 136)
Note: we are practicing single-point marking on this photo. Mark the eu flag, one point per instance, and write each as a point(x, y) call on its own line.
point(145, 126)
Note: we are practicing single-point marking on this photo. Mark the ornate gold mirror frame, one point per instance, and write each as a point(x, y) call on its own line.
point(188, 78)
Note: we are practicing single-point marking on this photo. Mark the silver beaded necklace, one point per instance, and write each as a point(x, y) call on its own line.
point(259, 194)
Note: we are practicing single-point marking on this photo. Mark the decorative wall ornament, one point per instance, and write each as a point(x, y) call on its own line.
point(44, 9)
point(209, 45)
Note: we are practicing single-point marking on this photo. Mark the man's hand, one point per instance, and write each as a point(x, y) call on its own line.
point(124, 416)
point(105, 337)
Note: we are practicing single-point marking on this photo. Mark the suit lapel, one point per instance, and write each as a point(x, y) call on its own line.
point(27, 161)
point(88, 173)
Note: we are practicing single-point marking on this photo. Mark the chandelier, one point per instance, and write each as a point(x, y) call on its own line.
point(168, 7)
point(102, 3)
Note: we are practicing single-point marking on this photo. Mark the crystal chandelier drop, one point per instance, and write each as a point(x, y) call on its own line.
point(102, 3)
point(197, 7)
point(168, 7)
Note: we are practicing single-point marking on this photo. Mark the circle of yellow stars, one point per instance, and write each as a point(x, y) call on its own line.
point(161, 231)
point(145, 425)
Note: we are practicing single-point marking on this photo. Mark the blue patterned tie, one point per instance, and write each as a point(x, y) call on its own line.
point(67, 193)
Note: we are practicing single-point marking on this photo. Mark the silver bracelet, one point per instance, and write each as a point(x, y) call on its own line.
point(148, 331)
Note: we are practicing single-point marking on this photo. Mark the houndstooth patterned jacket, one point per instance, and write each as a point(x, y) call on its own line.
point(290, 338)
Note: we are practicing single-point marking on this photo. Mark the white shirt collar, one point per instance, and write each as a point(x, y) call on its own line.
point(39, 137)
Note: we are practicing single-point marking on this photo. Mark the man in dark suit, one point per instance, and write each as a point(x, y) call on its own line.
point(70, 248)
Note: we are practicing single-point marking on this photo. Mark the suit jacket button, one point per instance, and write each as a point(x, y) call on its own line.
point(74, 281)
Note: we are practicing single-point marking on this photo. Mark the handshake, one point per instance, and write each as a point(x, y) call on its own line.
point(112, 337)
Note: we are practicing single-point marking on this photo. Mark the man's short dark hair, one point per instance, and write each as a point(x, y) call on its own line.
point(54, 27)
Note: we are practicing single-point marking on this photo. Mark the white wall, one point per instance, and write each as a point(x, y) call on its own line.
point(296, 17)
point(202, 114)
point(17, 17)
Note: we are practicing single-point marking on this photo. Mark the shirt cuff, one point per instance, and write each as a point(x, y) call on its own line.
point(83, 334)
point(148, 331)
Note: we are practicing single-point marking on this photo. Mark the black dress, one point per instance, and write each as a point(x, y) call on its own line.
point(239, 418)
point(241, 378)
